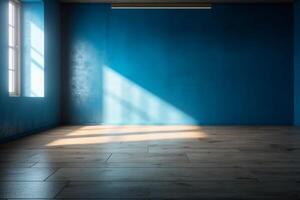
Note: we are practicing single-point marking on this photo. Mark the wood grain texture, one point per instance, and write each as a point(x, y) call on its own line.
point(153, 162)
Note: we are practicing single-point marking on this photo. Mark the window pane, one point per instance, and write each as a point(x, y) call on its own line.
point(11, 58)
point(11, 81)
point(33, 47)
point(13, 54)
point(11, 36)
point(11, 14)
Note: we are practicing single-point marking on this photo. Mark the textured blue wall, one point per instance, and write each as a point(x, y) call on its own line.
point(229, 65)
point(84, 41)
point(22, 115)
point(297, 63)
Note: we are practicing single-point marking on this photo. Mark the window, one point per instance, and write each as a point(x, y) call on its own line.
point(14, 48)
point(32, 40)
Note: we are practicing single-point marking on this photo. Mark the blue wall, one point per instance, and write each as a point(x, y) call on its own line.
point(84, 40)
point(22, 115)
point(297, 62)
point(229, 65)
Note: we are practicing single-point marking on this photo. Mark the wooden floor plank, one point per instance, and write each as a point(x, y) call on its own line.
point(153, 162)
point(30, 190)
point(25, 174)
point(149, 174)
point(148, 157)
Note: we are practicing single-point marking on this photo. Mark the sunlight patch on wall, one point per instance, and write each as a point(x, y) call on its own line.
point(125, 102)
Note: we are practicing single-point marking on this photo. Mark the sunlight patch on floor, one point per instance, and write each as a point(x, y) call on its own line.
point(104, 134)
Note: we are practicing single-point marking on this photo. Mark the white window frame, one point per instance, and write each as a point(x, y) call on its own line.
point(14, 65)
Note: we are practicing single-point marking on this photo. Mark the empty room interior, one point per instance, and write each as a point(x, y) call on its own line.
point(148, 99)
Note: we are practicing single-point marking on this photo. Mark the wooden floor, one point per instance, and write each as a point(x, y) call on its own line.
point(153, 162)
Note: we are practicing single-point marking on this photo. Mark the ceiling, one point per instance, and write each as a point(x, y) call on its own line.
point(176, 1)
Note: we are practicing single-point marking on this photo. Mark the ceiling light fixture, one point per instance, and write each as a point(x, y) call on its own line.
point(160, 6)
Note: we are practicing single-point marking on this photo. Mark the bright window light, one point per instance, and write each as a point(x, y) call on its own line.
point(33, 65)
point(14, 48)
